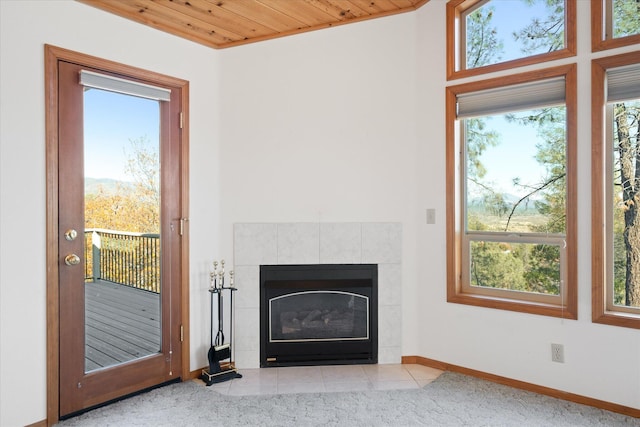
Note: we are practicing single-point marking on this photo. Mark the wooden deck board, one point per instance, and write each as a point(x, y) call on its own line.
point(146, 323)
point(125, 336)
point(121, 324)
point(123, 296)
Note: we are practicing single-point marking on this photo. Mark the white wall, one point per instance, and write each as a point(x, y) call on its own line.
point(602, 362)
point(320, 127)
point(25, 27)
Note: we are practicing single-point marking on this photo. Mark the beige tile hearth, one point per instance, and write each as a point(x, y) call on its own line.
point(323, 379)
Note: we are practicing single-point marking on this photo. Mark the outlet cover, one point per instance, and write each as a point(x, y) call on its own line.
point(557, 353)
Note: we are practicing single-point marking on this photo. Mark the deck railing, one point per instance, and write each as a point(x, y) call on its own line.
point(130, 259)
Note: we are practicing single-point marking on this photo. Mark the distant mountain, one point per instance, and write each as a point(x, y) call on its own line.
point(509, 198)
point(477, 203)
point(108, 185)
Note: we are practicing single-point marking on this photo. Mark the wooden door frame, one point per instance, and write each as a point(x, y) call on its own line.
point(52, 55)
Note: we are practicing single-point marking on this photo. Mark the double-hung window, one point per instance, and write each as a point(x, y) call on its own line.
point(511, 220)
point(616, 190)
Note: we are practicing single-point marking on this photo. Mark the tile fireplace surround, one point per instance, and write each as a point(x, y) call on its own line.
point(258, 244)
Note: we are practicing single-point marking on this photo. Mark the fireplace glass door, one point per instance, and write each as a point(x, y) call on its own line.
point(318, 316)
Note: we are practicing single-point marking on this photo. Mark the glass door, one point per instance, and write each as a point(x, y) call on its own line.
point(119, 245)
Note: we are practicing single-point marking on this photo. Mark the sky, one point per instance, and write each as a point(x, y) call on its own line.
point(111, 120)
point(514, 156)
point(513, 15)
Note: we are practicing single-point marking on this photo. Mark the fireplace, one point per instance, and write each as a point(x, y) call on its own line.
point(318, 314)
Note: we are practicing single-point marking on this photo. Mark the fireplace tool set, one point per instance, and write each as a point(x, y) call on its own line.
point(219, 350)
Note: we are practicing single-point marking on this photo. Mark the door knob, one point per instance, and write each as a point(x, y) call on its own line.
point(70, 234)
point(72, 259)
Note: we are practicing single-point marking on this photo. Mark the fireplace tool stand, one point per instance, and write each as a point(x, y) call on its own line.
point(219, 350)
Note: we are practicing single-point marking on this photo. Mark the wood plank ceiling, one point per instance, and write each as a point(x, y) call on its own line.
point(227, 23)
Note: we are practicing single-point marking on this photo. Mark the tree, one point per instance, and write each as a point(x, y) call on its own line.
point(627, 183)
point(532, 268)
point(497, 265)
point(549, 33)
point(626, 18)
point(550, 124)
point(483, 46)
point(134, 206)
point(543, 34)
point(129, 207)
point(143, 166)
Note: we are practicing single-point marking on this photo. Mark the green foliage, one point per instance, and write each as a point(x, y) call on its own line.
point(626, 211)
point(478, 139)
point(482, 44)
point(536, 268)
point(543, 270)
point(552, 155)
point(540, 264)
point(143, 166)
point(619, 266)
point(516, 266)
point(495, 203)
point(494, 265)
point(626, 18)
point(522, 267)
point(543, 34)
point(129, 208)
point(475, 223)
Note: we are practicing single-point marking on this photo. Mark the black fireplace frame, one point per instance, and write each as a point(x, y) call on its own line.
point(278, 280)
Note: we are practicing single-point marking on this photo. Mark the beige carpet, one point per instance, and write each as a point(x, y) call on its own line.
point(451, 400)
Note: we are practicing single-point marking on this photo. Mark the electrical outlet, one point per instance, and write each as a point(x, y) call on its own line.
point(557, 353)
point(431, 216)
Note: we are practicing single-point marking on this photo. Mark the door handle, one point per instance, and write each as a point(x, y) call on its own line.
point(70, 234)
point(72, 259)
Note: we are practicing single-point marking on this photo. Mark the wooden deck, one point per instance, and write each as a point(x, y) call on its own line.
point(122, 324)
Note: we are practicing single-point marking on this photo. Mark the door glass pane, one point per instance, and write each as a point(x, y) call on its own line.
point(122, 228)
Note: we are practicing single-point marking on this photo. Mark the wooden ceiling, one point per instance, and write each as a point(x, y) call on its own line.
point(226, 23)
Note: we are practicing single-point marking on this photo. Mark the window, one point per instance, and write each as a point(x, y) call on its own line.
point(511, 217)
point(490, 35)
point(615, 23)
point(616, 190)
